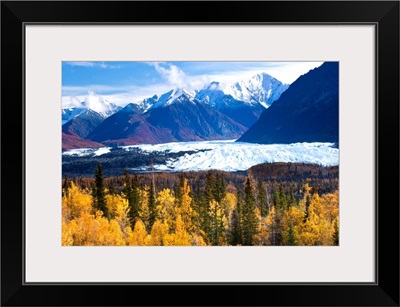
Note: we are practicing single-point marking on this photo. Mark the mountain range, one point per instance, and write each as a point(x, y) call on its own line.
point(259, 110)
point(215, 112)
point(176, 117)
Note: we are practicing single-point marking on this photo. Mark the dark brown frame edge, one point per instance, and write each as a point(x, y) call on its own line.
point(383, 14)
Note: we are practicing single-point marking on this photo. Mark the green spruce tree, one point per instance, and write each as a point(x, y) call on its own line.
point(152, 206)
point(98, 191)
point(235, 227)
point(250, 221)
point(262, 198)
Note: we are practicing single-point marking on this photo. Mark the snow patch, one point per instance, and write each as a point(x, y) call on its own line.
point(236, 156)
point(82, 152)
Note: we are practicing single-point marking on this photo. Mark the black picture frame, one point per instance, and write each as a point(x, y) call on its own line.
point(383, 14)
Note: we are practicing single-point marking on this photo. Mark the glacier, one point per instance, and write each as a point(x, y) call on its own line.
point(227, 155)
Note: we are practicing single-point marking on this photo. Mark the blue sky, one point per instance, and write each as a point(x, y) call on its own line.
point(125, 82)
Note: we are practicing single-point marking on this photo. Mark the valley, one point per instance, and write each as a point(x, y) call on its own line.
point(226, 155)
point(254, 162)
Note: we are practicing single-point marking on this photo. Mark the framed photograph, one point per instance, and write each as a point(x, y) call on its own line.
point(215, 153)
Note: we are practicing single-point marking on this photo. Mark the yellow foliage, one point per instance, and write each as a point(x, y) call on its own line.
point(185, 209)
point(181, 236)
point(316, 230)
point(292, 221)
point(158, 232)
point(177, 222)
point(228, 204)
point(165, 206)
point(198, 239)
point(262, 236)
point(67, 233)
point(272, 227)
point(76, 203)
point(90, 230)
point(121, 213)
point(138, 237)
point(330, 202)
point(144, 212)
point(169, 239)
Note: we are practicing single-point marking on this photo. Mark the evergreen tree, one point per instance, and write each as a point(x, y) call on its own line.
point(152, 206)
point(111, 188)
point(282, 198)
point(197, 197)
point(98, 191)
point(292, 199)
point(262, 198)
point(208, 198)
point(308, 202)
point(209, 195)
point(127, 190)
point(219, 188)
point(250, 221)
point(235, 227)
point(178, 189)
point(216, 233)
point(134, 202)
point(132, 195)
point(291, 237)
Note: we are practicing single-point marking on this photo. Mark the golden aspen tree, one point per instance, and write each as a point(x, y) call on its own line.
point(185, 209)
point(272, 226)
point(67, 233)
point(139, 236)
point(112, 202)
point(291, 224)
point(108, 233)
point(85, 230)
point(181, 236)
point(330, 203)
point(325, 234)
point(115, 235)
point(228, 204)
point(158, 232)
point(262, 236)
point(121, 213)
point(304, 203)
point(310, 230)
point(165, 206)
point(144, 212)
point(76, 202)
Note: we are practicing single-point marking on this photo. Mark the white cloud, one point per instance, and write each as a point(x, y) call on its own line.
point(286, 72)
point(177, 78)
point(119, 95)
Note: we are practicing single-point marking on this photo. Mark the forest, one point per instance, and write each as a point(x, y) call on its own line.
point(277, 204)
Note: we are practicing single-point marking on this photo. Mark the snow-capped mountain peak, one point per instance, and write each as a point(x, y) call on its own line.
point(69, 113)
point(260, 89)
point(173, 96)
point(100, 105)
point(91, 102)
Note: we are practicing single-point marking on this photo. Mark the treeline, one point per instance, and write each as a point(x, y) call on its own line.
point(206, 209)
point(322, 179)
